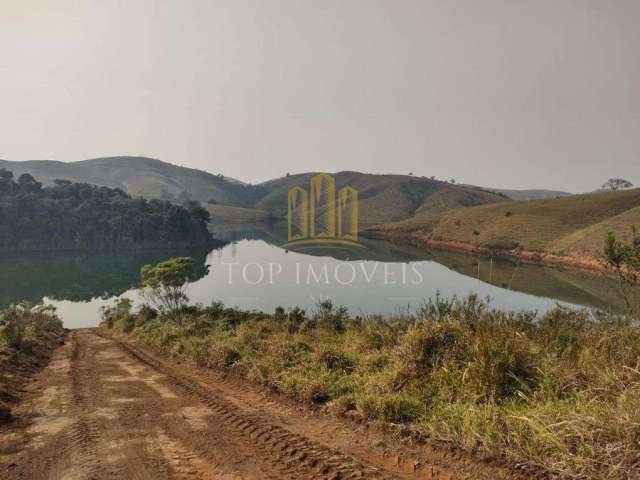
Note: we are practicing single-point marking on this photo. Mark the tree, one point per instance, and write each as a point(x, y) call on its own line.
point(28, 183)
point(165, 284)
point(25, 179)
point(76, 215)
point(615, 184)
point(624, 260)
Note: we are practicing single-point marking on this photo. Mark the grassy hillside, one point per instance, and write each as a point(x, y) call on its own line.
point(141, 176)
point(384, 198)
point(239, 215)
point(572, 226)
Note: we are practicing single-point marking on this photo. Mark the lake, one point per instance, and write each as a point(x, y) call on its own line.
point(253, 272)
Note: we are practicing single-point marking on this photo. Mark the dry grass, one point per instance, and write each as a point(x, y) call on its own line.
point(225, 214)
point(384, 198)
point(27, 337)
point(560, 392)
point(574, 225)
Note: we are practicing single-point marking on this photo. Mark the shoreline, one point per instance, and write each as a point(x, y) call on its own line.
point(527, 256)
point(214, 244)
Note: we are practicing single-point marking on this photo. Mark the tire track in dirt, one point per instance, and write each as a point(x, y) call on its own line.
point(125, 412)
point(306, 446)
point(124, 421)
point(288, 452)
point(81, 441)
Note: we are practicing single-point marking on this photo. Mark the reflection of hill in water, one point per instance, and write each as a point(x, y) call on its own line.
point(78, 277)
point(567, 285)
point(85, 276)
point(373, 250)
point(573, 286)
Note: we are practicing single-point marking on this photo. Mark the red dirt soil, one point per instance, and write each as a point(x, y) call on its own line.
point(110, 409)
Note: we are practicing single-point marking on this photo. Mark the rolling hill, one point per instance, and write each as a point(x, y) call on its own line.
point(571, 228)
point(142, 176)
point(383, 198)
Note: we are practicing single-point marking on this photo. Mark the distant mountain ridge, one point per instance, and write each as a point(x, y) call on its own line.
point(383, 198)
point(142, 176)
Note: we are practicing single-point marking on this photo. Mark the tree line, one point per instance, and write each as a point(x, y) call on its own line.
point(69, 216)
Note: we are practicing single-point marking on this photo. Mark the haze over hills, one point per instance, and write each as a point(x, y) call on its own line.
point(531, 194)
point(383, 198)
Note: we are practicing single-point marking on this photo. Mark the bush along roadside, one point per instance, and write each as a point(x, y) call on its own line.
point(559, 392)
point(28, 336)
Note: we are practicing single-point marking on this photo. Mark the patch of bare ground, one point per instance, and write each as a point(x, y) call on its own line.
point(106, 408)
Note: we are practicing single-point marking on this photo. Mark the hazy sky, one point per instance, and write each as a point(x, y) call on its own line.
point(505, 93)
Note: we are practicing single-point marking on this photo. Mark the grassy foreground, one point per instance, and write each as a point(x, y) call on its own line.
point(27, 338)
point(560, 392)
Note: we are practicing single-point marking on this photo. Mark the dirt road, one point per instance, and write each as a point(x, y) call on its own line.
point(107, 409)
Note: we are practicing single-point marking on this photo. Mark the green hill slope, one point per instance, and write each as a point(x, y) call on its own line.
point(384, 198)
point(573, 226)
point(141, 176)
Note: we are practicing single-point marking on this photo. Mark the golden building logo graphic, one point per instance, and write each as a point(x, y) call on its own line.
point(320, 217)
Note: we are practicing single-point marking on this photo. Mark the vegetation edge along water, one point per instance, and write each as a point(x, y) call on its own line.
point(559, 393)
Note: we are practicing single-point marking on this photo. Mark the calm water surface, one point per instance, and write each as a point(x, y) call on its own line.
point(253, 272)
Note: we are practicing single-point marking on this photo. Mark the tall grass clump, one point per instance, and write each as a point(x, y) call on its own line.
point(28, 335)
point(24, 326)
point(559, 391)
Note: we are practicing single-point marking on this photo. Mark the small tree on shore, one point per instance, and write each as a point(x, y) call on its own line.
point(164, 285)
point(624, 260)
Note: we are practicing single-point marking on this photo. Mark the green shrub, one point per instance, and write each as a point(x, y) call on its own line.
point(146, 314)
point(334, 360)
point(429, 345)
point(560, 391)
point(280, 314)
point(398, 408)
point(222, 356)
point(24, 326)
point(125, 323)
point(10, 335)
